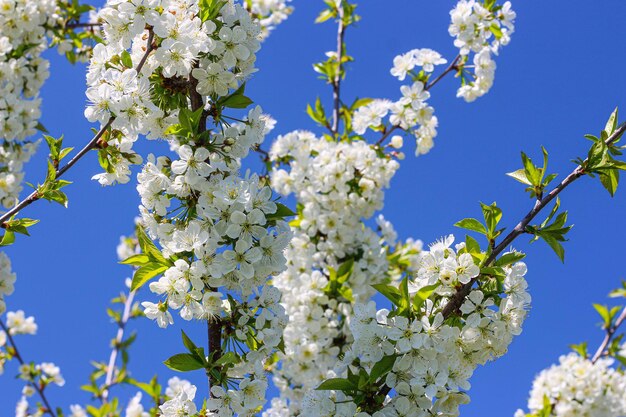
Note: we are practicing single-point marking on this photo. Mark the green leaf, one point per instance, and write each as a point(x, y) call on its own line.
point(519, 175)
point(611, 124)
point(146, 273)
point(345, 270)
point(149, 248)
point(555, 245)
point(472, 224)
point(188, 342)
point(390, 292)
point(382, 367)
point(581, 349)
point(41, 128)
point(136, 260)
point(8, 238)
point(339, 384)
point(236, 101)
point(127, 60)
point(228, 358)
point(423, 294)
point(492, 215)
point(604, 312)
point(183, 362)
point(509, 258)
point(282, 211)
point(609, 180)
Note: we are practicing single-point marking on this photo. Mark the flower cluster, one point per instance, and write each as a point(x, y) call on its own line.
point(140, 93)
point(269, 13)
point(411, 112)
point(221, 235)
point(36, 376)
point(22, 73)
point(431, 358)
point(7, 280)
point(334, 258)
point(578, 387)
point(482, 31)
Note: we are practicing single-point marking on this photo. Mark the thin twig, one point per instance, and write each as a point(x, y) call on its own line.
point(610, 332)
point(452, 67)
point(116, 347)
point(34, 196)
point(82, 25)
point(341, 33)
point(18, 356)
point(459, 297)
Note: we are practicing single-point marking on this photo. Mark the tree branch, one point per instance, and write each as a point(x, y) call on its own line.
point(82, 25)
point(341, 33)
point(214, 326)
point(610, 332)
point(452, 67)
point(119, 338)
point(459, 297)
point(18, 356)
point(34, 196)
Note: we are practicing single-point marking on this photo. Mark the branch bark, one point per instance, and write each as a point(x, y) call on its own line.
point(452, 67)
point(610, 332)
point(18, 356)
point(459, 297)
point(91, 145)
point(214, 325)
point(119, 338)
point(341, 33)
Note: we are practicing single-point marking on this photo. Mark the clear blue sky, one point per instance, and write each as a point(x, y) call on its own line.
point(559, 78)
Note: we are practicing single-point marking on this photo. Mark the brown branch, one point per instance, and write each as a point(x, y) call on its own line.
point(341, 33)
point(610, 332)
point(214, 325)
point(82, 25)
point(452, 67)
point(38, 387)
point(34, 196)
point(459, 297)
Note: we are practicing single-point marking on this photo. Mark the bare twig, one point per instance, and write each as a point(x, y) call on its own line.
point(452, 67)
point(341, 33)
point(18, 356)
point(82, 25)
point(459, 297)
point(119, 338)
point(34, 196)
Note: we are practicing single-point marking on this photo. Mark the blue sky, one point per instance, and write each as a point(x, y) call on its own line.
point(560, 78)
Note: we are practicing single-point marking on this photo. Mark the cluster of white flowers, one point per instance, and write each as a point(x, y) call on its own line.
point(433, 357)
point(22, 73)
point(269, 13)
point(411, 112)
point(34, 375)
point(22, 69)
point(338, 185)
point(180, 394)
point(579, 387)
point(218, 59)
point(221, 235)
point(481, 31)
point(13, 156)
point(7, 280)
point(18, 323)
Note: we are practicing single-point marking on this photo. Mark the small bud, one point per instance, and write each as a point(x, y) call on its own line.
point(397, 142)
